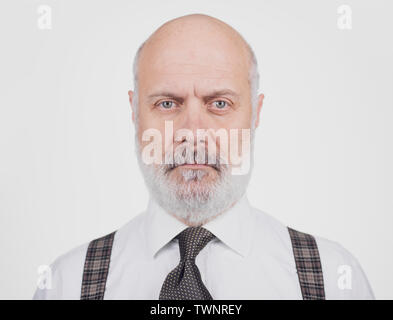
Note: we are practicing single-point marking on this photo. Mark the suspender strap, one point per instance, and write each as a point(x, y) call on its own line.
point(96, 268)
point(308, 265)
point(304, 247)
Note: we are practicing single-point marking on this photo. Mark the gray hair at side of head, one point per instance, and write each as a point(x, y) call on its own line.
point(253, 79)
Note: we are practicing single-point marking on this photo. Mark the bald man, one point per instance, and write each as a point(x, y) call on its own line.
point(195, 106)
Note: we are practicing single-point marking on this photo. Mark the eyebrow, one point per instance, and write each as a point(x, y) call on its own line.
point(209, 96)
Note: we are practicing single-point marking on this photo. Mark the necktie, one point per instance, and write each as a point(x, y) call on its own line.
point(184, 282)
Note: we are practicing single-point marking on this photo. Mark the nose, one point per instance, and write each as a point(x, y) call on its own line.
point(192, 118)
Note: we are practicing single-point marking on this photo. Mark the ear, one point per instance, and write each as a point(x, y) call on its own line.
point(259, 107)
point(130, 95)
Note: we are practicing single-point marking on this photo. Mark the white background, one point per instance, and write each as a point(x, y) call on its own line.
point(324, 149)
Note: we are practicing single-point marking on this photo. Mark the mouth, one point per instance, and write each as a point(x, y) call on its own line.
point(194, 166)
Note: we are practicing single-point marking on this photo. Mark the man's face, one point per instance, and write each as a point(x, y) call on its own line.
point(195, 81)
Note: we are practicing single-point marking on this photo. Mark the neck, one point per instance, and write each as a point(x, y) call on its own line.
point(190, 224)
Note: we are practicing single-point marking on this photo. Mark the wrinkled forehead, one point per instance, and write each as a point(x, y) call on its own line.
point(194, 60)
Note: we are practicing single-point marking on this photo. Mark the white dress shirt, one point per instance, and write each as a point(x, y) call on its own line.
point(250, 258)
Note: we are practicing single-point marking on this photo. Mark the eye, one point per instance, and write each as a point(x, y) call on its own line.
point(220, 104)
point(166, 104)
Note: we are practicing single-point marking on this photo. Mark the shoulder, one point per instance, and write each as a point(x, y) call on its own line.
point(63, 278)
point(344, 277)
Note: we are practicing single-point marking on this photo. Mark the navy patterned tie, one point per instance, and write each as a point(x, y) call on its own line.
point(184, 282)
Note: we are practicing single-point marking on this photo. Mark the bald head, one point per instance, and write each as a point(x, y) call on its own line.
point(196, 39)
point(198, 29)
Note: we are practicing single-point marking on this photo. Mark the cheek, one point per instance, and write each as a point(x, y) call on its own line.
point(239, 138)
point(150, 125)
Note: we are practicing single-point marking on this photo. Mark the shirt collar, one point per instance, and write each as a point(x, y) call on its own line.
point(233, 227)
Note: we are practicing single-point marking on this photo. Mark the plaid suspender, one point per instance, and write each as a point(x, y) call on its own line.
point(308, 265)
point(304, 247)
point(96, 268)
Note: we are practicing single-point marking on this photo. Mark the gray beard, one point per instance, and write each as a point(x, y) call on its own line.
point(194, 205)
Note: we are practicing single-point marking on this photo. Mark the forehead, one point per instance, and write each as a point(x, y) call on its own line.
point(203, 63)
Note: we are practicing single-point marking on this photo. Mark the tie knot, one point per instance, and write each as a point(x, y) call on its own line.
point(192, 240)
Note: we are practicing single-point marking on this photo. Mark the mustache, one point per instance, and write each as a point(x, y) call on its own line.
point(194, 156)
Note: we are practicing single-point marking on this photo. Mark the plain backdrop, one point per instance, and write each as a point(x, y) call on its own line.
point(324, 151)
